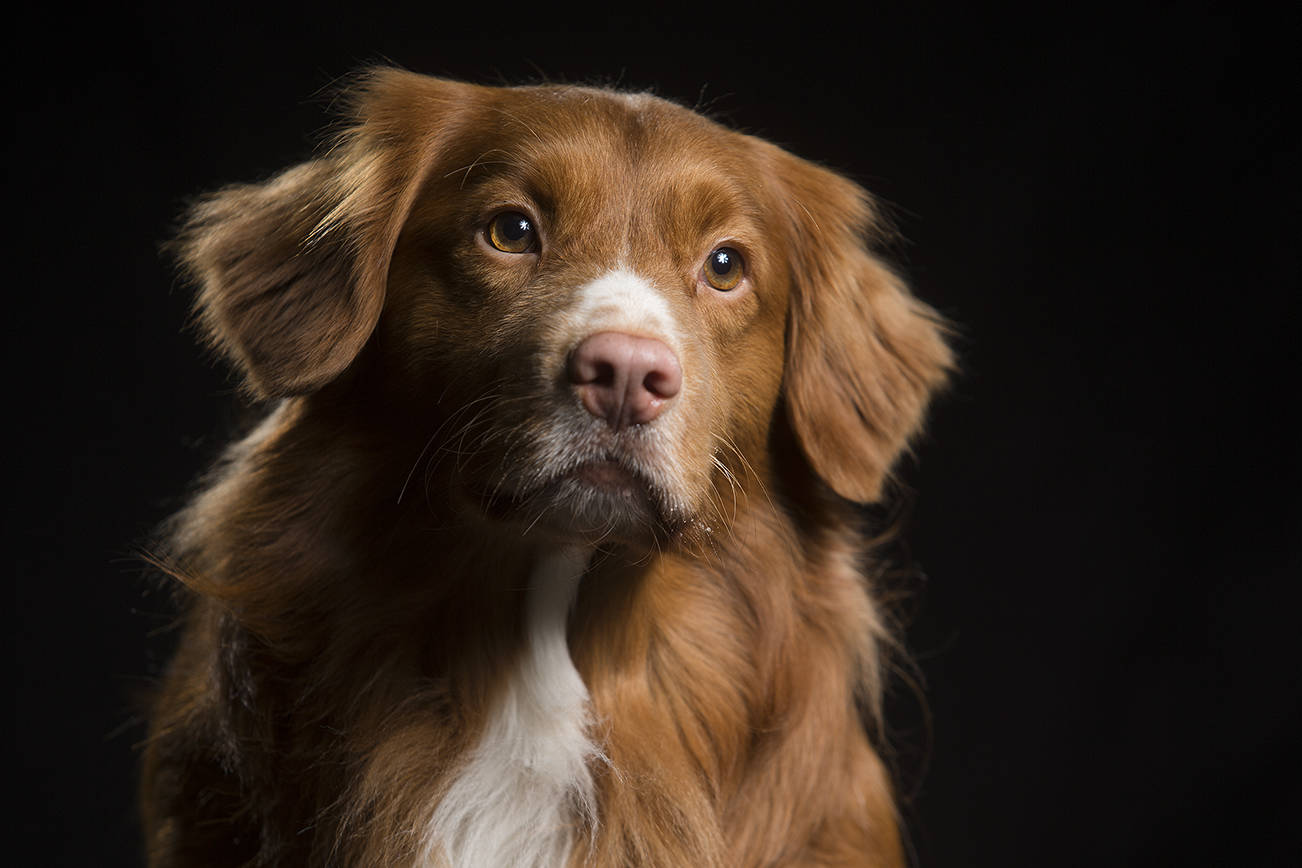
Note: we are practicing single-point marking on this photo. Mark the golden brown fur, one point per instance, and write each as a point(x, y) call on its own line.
point(354, 566)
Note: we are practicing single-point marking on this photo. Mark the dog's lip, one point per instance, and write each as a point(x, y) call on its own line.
point(604, 473)
point(606, 496)
point(607, 473)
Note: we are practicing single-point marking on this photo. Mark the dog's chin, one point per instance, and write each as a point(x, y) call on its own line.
point(597, 501)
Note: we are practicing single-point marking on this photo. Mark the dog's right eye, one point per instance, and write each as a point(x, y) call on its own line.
point(512, 232)
point(724, 269)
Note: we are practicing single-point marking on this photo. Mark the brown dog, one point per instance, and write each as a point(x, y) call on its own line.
point(547, 551)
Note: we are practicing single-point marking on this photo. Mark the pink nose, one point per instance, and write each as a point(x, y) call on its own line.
point(624, 379)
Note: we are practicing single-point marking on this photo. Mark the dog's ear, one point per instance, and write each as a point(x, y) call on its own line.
point(291, 273)
point(863, 355)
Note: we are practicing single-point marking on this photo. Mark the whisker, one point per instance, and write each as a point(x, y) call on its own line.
point(732, 483)
point(503, 111)
point(536, 519)
point(750, 470)
point(451, 420)
point(479, 161)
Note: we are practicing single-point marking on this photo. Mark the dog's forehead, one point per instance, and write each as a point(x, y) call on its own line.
point(573, 140)
point(629, 119)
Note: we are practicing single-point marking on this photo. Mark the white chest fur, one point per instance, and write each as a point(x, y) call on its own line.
point(525, 786)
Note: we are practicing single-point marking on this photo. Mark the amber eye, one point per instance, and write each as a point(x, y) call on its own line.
point(511, 232)
point(724, 270)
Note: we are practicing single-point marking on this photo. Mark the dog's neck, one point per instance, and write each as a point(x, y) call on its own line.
point(516, 798)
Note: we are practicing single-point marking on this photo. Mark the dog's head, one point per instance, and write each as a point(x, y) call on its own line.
point(600, 301)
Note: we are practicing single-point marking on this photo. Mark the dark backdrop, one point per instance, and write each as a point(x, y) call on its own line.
point(1106, 504)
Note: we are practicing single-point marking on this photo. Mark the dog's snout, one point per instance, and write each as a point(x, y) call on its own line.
point(624, 379)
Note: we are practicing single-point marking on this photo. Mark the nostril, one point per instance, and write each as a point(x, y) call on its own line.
point(603, 374)
point(586, 371)
point(587, 367)
point(663, 383)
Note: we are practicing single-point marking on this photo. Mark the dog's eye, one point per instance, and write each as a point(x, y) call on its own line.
point(511, 232)
point(724, 270)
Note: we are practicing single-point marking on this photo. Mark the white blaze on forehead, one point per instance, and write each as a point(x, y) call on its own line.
point(622, 300)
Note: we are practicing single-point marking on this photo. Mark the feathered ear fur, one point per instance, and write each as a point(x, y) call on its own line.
point(292, 272)
point(863, 355)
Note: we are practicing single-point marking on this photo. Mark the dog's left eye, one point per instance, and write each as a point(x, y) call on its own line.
point(512, 232)
point(724, 269)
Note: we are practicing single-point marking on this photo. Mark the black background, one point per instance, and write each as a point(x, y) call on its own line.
point(1106, 503)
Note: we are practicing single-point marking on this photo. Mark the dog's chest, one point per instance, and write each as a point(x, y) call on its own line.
point(520, 793)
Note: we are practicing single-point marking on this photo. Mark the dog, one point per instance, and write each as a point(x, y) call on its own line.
point(549, 549)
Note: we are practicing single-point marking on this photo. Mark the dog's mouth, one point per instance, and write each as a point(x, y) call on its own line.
point(599, 498)
point(608, 475)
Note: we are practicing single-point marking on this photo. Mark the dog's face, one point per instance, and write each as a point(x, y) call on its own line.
point(597, 301)
point(596, 270)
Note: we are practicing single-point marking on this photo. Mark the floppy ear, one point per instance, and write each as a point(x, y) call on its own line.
point(863, 355)
point(292, 272)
